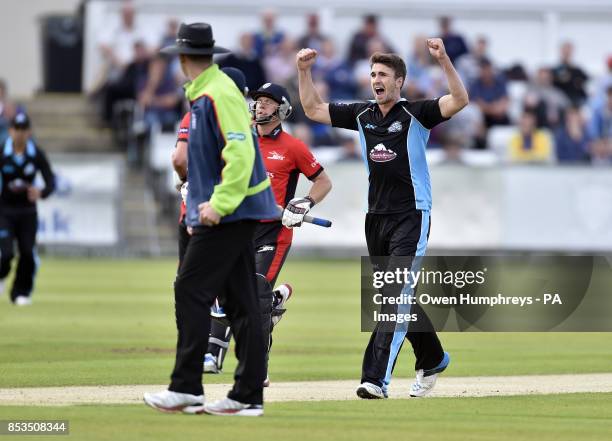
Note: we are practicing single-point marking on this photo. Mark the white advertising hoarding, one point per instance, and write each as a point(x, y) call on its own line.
point(565, 209)
point(84, 208)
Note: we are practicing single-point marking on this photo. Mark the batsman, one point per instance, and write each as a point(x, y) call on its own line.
point(285, 159)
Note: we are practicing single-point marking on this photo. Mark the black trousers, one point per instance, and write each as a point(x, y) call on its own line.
point(183, 241)
point(403, 234)
point(19, 225)
point(272, 244)
point(219, 261)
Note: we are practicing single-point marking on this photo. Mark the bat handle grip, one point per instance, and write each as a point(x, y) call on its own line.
point(317, 221)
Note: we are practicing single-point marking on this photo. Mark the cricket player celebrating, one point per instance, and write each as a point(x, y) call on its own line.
point(394, 134)
point(285, 158)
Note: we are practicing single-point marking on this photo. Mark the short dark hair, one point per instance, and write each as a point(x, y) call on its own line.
point(199, 58)
point(390, 60)
point(371, 19)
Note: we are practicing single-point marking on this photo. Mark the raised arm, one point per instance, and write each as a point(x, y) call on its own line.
point(313, 105)
point(457, 99)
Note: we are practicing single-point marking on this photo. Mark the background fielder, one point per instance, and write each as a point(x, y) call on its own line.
point(20, 161)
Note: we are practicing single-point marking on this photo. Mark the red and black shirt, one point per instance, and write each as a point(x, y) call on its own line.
point(285, 157)
point(183, 136)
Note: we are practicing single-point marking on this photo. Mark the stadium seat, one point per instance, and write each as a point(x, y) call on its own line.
point(516, 95)
point(498, 140)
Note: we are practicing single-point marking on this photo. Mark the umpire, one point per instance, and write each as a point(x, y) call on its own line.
point(20, 162)
point(229, 192)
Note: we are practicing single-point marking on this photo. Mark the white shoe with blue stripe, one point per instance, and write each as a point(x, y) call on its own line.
point(426, 378)
point(370, 391)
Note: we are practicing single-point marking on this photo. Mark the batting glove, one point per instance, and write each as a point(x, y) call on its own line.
point(178, 182)
point(184, 191)
point(296, 209)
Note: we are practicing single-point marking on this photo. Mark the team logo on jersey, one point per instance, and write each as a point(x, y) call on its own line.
point(370, 126)
point(276, 156)
point(18, 185)
point(395, 127)
point(193, 121)
point(29, 169)
point(380, 153)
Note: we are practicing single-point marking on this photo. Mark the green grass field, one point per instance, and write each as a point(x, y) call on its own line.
point(106, 322)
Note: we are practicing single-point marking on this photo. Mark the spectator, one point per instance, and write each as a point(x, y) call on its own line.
point(246, 59)
point(545, 100)
point(313, 38)
point(467, 125)
point(7, 111)
point(335, 72)
point(280, 66)
point(601, 152)
point(468, 65)
point(158, 93)
point(453, 144)
point(419, 81)
point(169, 36)
point(571, 140)
point(530, 144)
point(599, 97)
point(601, 120)
point(117, 49)
point(168, 39)
point(359, 43)
point(601, 130)
point(454, 43)
point(490, 94)
point(268, 40)
point(569, 78)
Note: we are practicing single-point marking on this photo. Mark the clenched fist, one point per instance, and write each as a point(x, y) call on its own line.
point(436, 48)
point(305, 58)
point(208, 215)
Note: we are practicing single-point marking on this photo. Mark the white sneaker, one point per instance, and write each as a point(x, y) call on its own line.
point(23, 301)
point(422, 385)
point(369, 391)
point(170, 402)
point(229, 407)
point(426, 379)
point(210, 364)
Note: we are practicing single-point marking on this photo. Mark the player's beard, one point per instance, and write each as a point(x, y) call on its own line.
point(388, 96)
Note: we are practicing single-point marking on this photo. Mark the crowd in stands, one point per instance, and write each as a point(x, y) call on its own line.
point(546, 116)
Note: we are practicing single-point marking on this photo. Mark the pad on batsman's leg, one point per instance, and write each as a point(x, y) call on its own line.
point(264, 290)
point(281, 295)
